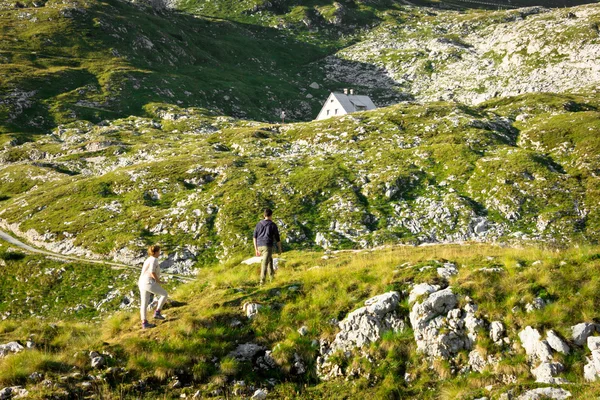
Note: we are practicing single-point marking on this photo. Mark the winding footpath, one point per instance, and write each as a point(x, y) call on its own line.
point(23, 246)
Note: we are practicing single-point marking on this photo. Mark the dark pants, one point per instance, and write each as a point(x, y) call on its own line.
point(266, 264)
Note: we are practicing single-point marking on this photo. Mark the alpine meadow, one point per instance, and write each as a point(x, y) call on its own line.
point(432, 168)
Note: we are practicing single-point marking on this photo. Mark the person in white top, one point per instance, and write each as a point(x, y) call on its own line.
point(149, 282)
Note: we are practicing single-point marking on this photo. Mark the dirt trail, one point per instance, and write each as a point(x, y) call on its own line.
point(15, 242)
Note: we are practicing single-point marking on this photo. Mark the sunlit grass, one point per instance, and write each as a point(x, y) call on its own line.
point(200, 331)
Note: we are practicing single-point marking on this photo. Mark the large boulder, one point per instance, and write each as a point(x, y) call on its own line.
point(536, 349)
point(360, 328)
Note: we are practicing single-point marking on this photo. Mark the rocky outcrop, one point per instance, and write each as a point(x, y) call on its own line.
point(539, 353)
point(474, 62)
point(441, 329)
point(360, 328)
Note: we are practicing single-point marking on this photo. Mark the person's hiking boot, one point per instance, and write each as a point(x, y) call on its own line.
point(158, 315)
point(147, 325)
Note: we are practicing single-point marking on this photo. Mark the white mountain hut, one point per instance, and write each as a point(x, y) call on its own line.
point(338, 104)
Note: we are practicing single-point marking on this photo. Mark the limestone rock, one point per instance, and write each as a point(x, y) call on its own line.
point(438, 303)
point(537, 304)
point(251, 309)
point(35, 377)
point(14, 392)
point(593, 343)
point(246, 351)
point(557, 343)
point(447, 270)
point(299, 365)
point(536, 349)
point(478, 362)
point(546, 371)
point(11, 347)
point(580, 332)
point(497, 331)
point(539, 353)
point(361, 328)
point(6, 393)
point(545, 393)
point(303, 331)
point(266, 361)
point(441, 329)
point(98, 362)
point(420, 290)
point(591, 371)
point(259, 394)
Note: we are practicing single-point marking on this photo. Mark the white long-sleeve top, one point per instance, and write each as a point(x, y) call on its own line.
point(150, 266)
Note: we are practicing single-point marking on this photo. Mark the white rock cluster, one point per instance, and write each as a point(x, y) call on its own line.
point(360, 328)
point(441, 329)
point(540, 354)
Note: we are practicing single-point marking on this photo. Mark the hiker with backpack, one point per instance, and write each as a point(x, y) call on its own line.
point(149, 282)
point(266, 235)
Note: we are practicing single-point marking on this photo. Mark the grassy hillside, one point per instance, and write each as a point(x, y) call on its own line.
point(192, 346)
point(91, 60)
point(103, 60)
point(196, 182)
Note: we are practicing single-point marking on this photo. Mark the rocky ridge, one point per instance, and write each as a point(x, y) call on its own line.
point(471, 58)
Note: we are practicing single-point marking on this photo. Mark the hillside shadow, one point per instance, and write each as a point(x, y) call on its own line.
point(237, 69)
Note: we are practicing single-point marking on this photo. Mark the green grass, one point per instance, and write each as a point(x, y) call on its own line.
point(39, 287)
point(198, 330)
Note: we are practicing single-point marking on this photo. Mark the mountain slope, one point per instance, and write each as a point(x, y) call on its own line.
point(474, 56)
point(409, 173)
point(103, 60)
point(90, 60)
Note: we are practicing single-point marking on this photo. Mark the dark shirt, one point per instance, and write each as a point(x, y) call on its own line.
point(266, 233)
